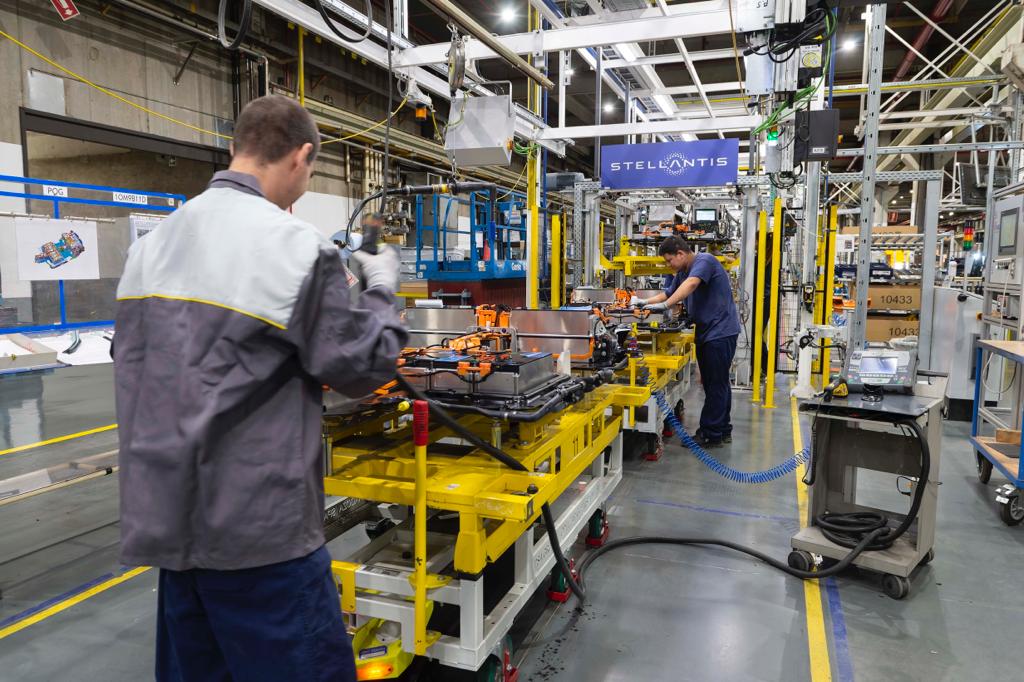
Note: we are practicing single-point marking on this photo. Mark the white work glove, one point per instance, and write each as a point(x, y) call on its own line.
point(656, 307)
point(381, 270)
point(636, 302)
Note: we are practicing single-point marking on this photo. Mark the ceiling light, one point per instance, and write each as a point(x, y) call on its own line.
point(508, 15)
point(569, 72)
point(849, 44)
point(608, 107)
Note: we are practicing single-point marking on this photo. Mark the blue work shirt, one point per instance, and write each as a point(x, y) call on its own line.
point(710, 305)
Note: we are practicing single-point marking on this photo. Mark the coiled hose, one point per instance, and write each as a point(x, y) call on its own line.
point(707, 459)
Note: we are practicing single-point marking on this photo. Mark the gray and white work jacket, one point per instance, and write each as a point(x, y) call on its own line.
point(232, 315)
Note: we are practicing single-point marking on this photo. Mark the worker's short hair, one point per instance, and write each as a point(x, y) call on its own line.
point(673, 245)
point(270, 127)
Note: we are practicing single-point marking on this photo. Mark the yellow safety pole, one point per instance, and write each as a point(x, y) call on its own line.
point(533, 93)
point(818, 296)
point(421, 430)
point(762, 247)
point(302, 66)
point(556, 262)
point(829, 289)
point(773, 306)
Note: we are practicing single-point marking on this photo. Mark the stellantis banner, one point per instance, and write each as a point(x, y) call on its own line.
point(703, 163)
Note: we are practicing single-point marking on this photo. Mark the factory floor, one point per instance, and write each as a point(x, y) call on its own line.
point(69, 611)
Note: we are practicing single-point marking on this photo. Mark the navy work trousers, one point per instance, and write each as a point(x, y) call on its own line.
point(714, 358)
point(276, 622)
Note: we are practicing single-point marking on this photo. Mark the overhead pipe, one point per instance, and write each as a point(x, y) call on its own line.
point(939, 13)
point(484, 36)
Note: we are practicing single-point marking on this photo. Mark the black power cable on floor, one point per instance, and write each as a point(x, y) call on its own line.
point(848, 530)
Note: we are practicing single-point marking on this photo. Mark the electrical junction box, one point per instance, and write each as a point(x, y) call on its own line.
point(482, 135)
point(760, 72)
point(754, 15)
point(817, 135)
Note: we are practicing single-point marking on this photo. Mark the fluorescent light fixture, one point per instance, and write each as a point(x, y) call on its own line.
point(508, 14)
point(849, 44)
point(629, 51)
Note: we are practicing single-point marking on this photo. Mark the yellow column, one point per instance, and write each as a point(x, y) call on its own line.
point(762, 242)
point(773, 306)
point(829, 290)
point(556, 262)
point(420, 431)
point(533, 93)
point(302, 66)
point(818, 297)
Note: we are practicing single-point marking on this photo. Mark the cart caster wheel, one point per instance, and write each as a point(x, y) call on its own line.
point(498, 666)
point(597, 529)
point(895, 586)
point(800, 560)
point(984, 468)
point(927, 559)
point(1012, 511)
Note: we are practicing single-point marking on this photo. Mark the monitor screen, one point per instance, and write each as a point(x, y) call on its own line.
point(872, 364)
point(1008, 232)
point(706, 215)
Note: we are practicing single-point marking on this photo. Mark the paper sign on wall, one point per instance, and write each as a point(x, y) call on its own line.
point(51, 249)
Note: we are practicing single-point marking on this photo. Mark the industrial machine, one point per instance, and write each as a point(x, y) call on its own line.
point(888, 428)
point(448, 579)
point(1007, 264)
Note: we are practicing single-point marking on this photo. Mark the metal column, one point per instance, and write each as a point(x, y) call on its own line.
point(748, 249)
point(812, 221)
point(932, 194)
point(875, 46)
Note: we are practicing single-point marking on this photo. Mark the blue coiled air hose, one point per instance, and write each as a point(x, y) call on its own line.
point(710, 461)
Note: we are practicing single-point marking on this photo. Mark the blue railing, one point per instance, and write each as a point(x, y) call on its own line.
point(120, 197)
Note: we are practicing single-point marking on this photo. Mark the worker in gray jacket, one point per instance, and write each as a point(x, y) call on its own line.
point(232, 315)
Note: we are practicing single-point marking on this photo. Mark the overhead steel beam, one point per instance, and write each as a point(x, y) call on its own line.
point(302, 15)
point(696, 19)
point(929, 84)
point(938, 148)
point(670, 127)
point(470, 25)
point(661, 59)
point(733, 86)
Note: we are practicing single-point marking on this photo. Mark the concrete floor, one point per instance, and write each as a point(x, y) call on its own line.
point(655, 612)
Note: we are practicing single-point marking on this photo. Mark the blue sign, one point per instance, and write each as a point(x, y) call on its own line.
point(703, 163)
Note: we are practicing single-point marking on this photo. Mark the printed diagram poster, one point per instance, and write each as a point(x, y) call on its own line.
point(51, 249)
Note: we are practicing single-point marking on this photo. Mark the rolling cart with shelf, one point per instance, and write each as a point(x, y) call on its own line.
point(1001, 450)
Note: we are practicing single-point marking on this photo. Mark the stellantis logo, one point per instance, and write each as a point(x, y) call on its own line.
point(674, 164)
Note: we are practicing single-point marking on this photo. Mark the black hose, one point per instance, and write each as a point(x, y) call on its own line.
point(387, 126)
point(243, 24)
point(358, 39)
point(855, 532)
point(510, 462)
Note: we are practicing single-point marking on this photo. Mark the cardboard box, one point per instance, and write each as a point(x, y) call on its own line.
point(881, 229)
point(891, 327)
point(891, 296)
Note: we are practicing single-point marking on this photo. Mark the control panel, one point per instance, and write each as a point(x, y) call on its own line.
point(881, 368)
point(1007, 246)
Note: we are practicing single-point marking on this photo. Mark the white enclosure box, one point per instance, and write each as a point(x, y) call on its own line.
point(482, 135)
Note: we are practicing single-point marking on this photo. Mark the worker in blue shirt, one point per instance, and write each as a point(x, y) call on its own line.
point(702, 283)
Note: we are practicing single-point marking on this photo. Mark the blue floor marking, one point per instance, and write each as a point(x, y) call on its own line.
point(843, 664)
point(32, 610)
point(712, 510)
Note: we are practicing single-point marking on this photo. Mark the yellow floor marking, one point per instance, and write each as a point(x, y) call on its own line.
point(71, 601)
point(58, 439)
point(817, 641)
